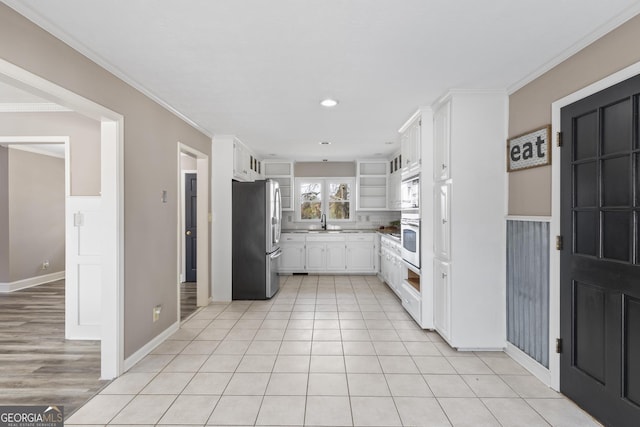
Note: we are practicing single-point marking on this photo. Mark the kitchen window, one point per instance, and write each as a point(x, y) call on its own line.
point(330, 196)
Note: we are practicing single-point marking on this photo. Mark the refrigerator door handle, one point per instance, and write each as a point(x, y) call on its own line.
point(276, 254)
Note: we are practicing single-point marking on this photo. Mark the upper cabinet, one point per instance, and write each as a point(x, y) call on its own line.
point(282, 172)
point(410, 140)
point(246, 166)
point(393, 183)
point(442, 142)
point(371, 185)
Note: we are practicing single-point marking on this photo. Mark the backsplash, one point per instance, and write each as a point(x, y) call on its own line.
point(364, 220)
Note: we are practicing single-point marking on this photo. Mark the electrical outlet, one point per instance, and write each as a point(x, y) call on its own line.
point(45, 265)
point(156, 312)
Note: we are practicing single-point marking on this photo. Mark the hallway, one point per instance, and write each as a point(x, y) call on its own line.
point(37, 365)
point(327, 350)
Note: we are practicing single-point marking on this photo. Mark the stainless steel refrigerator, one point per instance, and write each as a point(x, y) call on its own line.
point(257, 217)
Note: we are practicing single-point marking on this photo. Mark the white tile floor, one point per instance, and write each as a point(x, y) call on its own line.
point(326, 351)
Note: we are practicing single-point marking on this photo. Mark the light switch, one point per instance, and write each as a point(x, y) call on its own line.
point(164, 196)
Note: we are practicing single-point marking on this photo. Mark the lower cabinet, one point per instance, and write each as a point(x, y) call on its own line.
point(442, 298)
point(391, 267)
point(411, 301)
point(322, 253)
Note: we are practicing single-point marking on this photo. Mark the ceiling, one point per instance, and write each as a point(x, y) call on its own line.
point(258, 69)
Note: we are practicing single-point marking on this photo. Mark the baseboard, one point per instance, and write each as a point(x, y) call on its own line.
point(530, 364)
point(130, 361)
point(30, 282)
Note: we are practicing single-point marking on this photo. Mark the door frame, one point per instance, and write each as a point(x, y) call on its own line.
point(112, 192)
point(203, 224)
point(554, 255)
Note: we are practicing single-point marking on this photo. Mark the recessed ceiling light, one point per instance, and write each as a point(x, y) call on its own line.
point(328, 102)
point(324, 143)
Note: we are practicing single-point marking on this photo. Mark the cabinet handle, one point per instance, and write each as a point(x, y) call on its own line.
point(444, 166)
point(444, 275)
point(444, 221)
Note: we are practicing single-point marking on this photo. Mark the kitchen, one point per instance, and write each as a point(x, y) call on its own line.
point(440, 205)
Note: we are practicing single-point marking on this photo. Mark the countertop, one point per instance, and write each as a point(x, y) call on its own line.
point(299, 231)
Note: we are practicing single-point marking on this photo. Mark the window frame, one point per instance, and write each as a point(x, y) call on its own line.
point(324, 199)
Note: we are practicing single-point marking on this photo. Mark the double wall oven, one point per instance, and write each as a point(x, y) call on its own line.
point(410, 221)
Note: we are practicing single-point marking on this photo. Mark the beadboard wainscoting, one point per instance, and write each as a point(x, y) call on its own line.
point(528, 287)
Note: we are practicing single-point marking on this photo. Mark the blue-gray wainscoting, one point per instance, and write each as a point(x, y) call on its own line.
point(528, 288)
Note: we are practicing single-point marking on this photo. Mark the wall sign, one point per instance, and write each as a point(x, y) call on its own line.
point(529, 150)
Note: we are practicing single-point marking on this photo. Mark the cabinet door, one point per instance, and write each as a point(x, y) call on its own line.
point(442, 298)
point(360, 256)
point(442, 142)
point(316, 256)
point(241, 169)
point(442, 243)
point(335, 256)
point(293, 257)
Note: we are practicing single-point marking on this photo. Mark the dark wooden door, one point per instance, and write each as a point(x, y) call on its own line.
point(191, 235)
point(599, 265)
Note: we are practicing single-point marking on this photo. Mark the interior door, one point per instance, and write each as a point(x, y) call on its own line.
point(191, 221)
point(599, 271)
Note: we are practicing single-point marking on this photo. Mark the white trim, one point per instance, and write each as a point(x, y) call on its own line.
point(31, 14)
point(31, 107)
point(34, 150)
point(130, 361)
point(410, 120)
point(8, 287)
point(596, 34)
point(203, 224)
point(112, 191)
point(527, 362)
point(528, 218)
point(554, 255)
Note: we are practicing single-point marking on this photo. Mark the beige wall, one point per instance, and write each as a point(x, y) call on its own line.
point(36, 214)
point(84, 141)
point(4, 215)
point(530, 107)
point(151, 134)
point(324, 169)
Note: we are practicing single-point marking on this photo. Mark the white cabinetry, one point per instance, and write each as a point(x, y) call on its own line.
point(441, 294)
point(468, 219)
point(411, 140)
point(246, 166)
point(361, 252)
point(391, 266)
point(393, 183)
point(282, 172)
point(326, 254)
point(293, 253)
point(329, 253)
point(371, 183)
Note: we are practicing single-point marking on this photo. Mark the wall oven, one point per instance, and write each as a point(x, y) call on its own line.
point(410, 238)
point(410, 194)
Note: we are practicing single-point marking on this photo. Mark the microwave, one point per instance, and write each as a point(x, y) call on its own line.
point(410, 194)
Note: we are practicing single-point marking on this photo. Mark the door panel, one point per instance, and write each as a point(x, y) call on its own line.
point(191, 231)
point(599, 271)
point(83, 287)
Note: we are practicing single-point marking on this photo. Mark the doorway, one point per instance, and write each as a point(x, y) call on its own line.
point(111, 209)
point(600, 262)
point(193, 253)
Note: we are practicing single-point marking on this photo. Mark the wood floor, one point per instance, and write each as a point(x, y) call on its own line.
point(37, 365)
point(188, 299)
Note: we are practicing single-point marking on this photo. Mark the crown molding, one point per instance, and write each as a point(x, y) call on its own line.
point(596, 34)
point(31, 107)
point(32, 15)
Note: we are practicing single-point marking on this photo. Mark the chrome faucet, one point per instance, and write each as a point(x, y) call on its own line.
point(323, 221)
